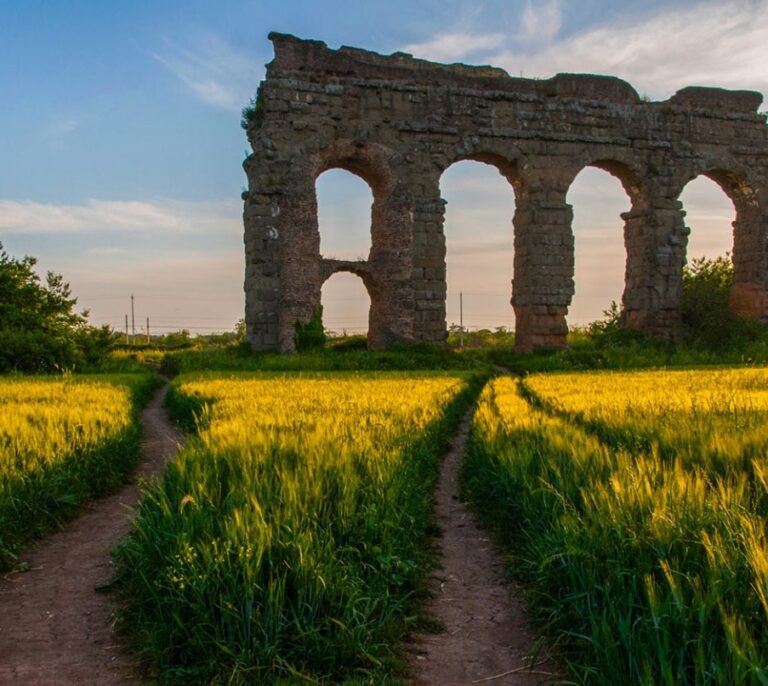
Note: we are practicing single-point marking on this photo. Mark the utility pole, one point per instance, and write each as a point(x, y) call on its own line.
point(147, 330)
point(126, 329)
point(461, 319)
point(133, 323)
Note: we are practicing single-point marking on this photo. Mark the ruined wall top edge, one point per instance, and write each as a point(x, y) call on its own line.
point(314, 58)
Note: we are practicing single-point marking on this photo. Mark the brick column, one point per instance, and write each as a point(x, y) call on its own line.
point(299, 249)
point(428, 266)
point(282, 247)
point(656, 238)
point(391, 261)
point(542, 286)
point(749, 297)
point(261, 217)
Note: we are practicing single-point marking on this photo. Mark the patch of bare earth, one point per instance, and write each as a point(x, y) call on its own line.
point(486, 639)
point(55, 628)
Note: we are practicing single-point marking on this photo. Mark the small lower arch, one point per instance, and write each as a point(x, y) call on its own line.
point(346, 304)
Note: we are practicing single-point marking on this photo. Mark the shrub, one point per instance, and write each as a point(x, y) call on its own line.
point(253, 112)
point(706, 308)
point(311, 335)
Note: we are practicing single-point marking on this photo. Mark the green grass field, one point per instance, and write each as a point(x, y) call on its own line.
point(634, 507)
point(63, 440)
point(287, 542)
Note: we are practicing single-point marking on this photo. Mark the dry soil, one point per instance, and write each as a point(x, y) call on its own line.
point(486, 639)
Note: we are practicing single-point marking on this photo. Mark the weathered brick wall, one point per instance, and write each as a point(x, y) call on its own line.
point(399, 122)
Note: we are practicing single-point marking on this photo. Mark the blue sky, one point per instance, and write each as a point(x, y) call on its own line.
point(121, 151)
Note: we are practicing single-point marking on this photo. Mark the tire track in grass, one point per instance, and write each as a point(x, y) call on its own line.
point(55, 627)
point(486, 637)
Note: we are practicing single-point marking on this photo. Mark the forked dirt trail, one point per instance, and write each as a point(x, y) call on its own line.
point(55, 628)
point(487, 638)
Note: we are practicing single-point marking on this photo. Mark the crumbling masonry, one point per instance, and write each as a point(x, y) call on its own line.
point(400, 122)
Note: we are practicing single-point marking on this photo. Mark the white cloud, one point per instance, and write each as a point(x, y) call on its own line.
point(27, 217)
point(61, 125)
point(542, 20)
point(104, 251)
point(449, 47)
point(500, 248)
point(710, 43)
point(216, 73)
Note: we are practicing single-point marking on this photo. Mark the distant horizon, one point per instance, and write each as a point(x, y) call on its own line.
point(123, 151)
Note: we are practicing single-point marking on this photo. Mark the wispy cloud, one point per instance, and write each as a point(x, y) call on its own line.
point(449, 47)
point(709, 43)
point(542, 21)
point(706, 43)
point(105, 251)
point(217, 73)
point(538, 23)
point(490, 248)
point(27, 217)
point(61, 125)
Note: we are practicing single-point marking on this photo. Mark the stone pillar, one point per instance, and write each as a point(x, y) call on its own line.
point(282, 245)
point(261, 216)
point(655, 238)
point(749, 298)
point(391, 261)
point(300, 278)
point(428, 267)
point(638, 283)
point(542, 286)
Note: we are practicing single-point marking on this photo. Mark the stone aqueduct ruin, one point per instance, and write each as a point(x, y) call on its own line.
point(400, 122)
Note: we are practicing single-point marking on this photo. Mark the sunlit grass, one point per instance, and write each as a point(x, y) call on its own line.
point(61, 442)
point(635, 505)
point(286, 540)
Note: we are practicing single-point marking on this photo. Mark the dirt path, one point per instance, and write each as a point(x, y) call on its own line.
point(55, 629)
point(486, 638)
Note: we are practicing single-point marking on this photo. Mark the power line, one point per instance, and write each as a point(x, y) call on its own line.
point(155, 298)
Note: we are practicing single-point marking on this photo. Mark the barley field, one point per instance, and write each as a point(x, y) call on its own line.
point(62, 441)
point(634, 506)
point(286, 542)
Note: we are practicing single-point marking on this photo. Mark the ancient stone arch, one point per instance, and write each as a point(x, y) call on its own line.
point(399, 122)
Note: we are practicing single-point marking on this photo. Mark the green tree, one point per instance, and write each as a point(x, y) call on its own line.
point(704, 308)
point(28, 304)
point(39, 329)
point(609, 325)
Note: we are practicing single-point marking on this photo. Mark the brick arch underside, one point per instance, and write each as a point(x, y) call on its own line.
point(543, 286)
point(386, 271)
point(329, 268)
point(543, 283)
point(506, 160)
point(405, 269)
point(749, 296)
point(624, 168)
